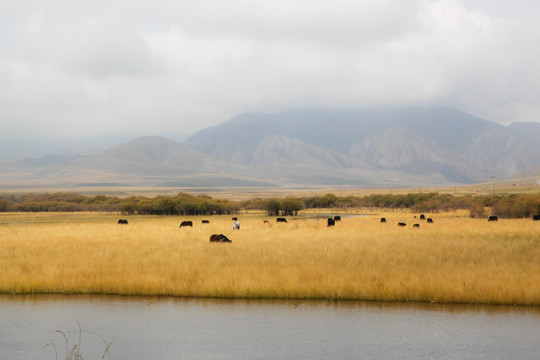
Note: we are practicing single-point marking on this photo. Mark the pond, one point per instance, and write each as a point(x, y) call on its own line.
point(178, 328)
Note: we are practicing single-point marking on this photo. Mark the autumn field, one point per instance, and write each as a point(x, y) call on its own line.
point(456, 259)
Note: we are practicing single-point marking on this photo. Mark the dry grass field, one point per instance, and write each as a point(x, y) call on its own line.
point(456, 259)
point(526, 185)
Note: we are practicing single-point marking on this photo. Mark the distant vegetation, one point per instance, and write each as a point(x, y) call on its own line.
point(506, 206)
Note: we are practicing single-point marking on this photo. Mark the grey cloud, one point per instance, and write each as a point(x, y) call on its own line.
point(69, 67)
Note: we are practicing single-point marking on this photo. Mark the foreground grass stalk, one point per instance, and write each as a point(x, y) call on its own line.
point(455, 260)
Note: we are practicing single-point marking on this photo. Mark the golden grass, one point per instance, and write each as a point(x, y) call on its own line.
point(455, 260)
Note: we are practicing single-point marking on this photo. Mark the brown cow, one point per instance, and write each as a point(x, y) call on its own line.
point(219, 238)
point(186, 223)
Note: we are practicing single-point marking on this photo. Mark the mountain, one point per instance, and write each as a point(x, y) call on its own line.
point(441, 144)
point(376, 147)
point(146, 161)
point(526, 129)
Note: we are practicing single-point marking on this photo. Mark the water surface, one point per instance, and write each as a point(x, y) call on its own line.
point(173, 328)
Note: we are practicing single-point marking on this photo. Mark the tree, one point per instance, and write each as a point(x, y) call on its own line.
point(290, 206)
point(271, 206)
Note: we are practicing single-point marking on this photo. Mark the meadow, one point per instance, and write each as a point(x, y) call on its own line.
point(456, 259)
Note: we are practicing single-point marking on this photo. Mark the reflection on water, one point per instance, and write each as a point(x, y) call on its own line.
point(173, 328)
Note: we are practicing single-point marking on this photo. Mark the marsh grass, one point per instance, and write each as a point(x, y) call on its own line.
point(456, 259)
point(73, 351)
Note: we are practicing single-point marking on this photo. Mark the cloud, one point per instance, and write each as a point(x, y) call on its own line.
point(74, 69)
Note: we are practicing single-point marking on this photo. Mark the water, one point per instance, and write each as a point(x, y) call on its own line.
point(172, 328)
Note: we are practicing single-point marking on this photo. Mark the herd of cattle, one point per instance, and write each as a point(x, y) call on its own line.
point(331, 221)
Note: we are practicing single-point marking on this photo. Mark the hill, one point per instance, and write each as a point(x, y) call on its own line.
point(384, 147)
point(439, 144)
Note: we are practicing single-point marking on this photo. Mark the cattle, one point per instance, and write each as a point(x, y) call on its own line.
point(493, 218)
point(401, 224)
point(430, 220)
point(186, 223)
point(422, 217)
point(205, 222)
point(236, 225)
point(265, 221)
point(337, 218)
point(383, 220)
point(331, 222)
point(416, 225)
point(122, 221)
point(219, 238)
point(281, 219)
point(234, 219)
point(536, 217)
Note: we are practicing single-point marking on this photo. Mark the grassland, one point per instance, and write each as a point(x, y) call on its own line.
point(525, 185)
point(455, 260)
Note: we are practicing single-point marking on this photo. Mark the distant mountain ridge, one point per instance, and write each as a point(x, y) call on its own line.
point(375, 147)
point(434, 142)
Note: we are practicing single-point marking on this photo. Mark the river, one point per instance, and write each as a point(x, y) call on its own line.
point(176, 328)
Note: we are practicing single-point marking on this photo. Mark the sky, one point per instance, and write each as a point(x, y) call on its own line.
point(87, 68)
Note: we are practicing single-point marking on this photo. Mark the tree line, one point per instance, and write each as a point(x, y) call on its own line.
point(506, 206)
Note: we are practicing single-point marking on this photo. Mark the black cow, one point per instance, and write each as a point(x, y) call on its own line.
point(422, 217)
point(493, 218)
point(331, 222)
point(536, 217)
point(281, 219)
point(416, 225)
point(337, 218)
point(186, 223)
point(122, 221)
point(234, 218)
point(401, 224)
point(429, 220)
point(383, 220)
point(219, 238)
point(205, 222)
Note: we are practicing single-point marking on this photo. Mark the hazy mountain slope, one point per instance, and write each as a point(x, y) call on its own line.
point(146, 161)
point(279, 149)
point(428, 141)
point(403, 149)
point(368, 147)
point(337, 130)
point(526, 129)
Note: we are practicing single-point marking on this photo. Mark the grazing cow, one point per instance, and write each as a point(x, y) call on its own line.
point(337, 218)
point(383, 220)
point(401, 224)
point(536, 217)
point(205, 222)
point(122, 221)
point(186, 223)
point(234, 218)
point(416, 225)
point(493, 218)
point(219, 238)
point(236, 225)
point(429, 220)
point(265, 221)
point(422, 217)
point(281, 219)
point(331, 222)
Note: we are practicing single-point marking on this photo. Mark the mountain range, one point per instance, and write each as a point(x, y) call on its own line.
point(376, 147)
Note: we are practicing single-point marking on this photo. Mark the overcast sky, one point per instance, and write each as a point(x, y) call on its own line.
point(83, 68)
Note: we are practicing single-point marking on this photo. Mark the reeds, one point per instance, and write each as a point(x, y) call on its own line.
point(73, 351)
point(456, 259)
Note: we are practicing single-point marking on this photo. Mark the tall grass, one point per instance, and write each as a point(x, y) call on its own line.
point(456, 259)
